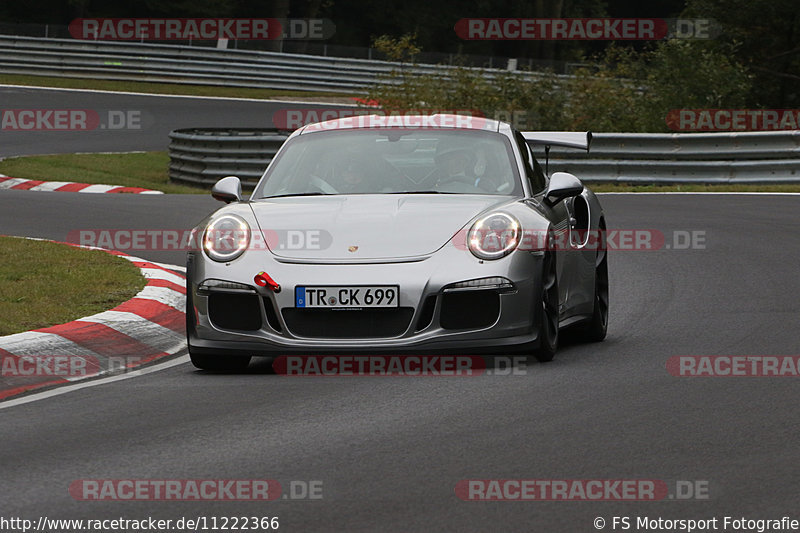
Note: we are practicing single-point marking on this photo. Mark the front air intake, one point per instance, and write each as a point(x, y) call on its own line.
point(473, 309)
point(235, 311)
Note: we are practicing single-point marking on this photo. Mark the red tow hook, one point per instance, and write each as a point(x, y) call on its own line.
point(262, 279)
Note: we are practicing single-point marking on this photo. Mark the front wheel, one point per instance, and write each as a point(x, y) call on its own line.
point(220, 363)
point(548, 323)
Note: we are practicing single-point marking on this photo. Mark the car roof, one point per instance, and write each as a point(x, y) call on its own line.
point(401, 121)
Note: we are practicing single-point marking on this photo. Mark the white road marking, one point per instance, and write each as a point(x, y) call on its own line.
point(102, 381)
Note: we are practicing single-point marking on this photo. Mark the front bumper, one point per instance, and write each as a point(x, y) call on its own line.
point(513, 329)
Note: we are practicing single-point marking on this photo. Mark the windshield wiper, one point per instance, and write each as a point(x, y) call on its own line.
point(297, 194)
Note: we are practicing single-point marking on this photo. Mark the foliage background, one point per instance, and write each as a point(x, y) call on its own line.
point(626, 86)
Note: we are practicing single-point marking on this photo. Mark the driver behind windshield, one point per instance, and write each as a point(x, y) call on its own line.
point(454, 163)
point(353, 175)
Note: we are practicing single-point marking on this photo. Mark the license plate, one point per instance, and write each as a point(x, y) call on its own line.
point(344, 296)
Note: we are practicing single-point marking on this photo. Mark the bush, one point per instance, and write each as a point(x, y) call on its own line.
point(623, 90)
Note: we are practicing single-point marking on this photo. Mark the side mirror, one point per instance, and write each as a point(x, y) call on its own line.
point(562, 185)
point(227, 190)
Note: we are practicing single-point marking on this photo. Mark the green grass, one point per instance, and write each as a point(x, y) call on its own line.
point(628, 187)
point(43, 283)
point(161, 88)
point(144, 169)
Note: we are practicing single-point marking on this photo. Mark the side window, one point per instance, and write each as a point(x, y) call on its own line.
point(540, 178)
point(532, 168)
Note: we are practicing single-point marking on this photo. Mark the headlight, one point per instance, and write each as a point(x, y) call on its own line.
point(494, 236)
point(226, 238)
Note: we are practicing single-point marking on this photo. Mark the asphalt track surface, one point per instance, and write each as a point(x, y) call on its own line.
point(153, 117)
point(390, 451)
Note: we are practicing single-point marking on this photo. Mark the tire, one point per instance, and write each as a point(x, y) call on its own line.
point(220, 363)
point(596, 328)
point(548, 311)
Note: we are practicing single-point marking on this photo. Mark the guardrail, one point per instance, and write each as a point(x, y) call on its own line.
point(201, 157)
point(203, 65)
point(318, 48)
point(746, 157)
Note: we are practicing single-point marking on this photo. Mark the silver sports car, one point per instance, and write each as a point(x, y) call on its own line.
point(411, 234)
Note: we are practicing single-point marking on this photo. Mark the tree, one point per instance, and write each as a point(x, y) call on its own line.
point(764, 36)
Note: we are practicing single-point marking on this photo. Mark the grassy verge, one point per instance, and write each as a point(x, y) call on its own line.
point(164, 88)
point(628, 187)
point(44, 283)
point(145, 169)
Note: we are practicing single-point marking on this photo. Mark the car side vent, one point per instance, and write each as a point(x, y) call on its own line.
point(581, 213)
point(426, 313)
point(272, 316)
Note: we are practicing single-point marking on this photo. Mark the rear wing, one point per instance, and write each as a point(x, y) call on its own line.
point(567, 139)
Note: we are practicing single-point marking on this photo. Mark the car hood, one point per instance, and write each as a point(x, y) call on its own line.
point(366, 227)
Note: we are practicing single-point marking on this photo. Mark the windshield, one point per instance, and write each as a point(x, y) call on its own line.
point(393, 162)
